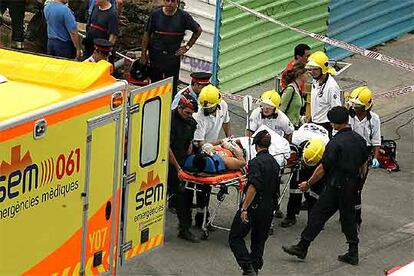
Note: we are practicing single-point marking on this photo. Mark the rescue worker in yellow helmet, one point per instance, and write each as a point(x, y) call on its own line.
point(343, 162)
point(367, 124)
point(311, 158)
point(325, 92)
point(211, 117)
point(269, 114)
point(311, 140)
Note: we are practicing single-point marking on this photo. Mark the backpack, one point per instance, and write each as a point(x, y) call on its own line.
point(303, 108)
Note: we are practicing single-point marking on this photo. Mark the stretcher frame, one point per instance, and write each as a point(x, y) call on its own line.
point(222, 189)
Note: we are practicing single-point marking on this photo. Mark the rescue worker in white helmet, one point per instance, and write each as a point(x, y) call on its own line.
point(269, 114)
point(367, 124)
point(211, 117)
point(325, 92)
point(311, 140)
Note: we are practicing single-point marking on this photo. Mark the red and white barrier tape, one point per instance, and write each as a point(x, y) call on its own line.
point(341, 44)
point(394, 92)
point(385, 94)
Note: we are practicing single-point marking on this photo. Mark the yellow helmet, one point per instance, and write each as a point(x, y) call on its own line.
point(209, 96)
point(313, 152)
point(362, 96)
point(271, 98)
point(320, 60)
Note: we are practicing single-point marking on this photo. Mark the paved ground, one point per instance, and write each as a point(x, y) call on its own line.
point(387, 236)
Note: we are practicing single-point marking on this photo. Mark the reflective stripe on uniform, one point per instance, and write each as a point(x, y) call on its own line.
point(313, 194)
point(295, 191)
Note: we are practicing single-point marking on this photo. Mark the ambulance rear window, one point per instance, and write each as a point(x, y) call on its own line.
point(150, 132)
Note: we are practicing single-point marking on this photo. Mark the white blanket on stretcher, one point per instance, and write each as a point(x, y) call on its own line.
point(279, 146)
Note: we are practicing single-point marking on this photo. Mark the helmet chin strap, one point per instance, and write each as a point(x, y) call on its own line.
point(207, 112)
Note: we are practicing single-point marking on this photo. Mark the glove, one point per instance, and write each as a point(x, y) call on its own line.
point(375, 163)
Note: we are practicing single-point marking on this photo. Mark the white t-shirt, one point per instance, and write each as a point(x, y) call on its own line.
point(208, 127)
point(323, 98)
point(369, 129)
point(279, 147)
point(281, 124)
point(309, 131)
point(90, 59)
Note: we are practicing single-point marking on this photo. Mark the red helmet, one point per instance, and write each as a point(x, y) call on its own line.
point(188, 101)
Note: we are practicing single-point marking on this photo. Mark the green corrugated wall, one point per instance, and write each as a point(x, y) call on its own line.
point(252, 51)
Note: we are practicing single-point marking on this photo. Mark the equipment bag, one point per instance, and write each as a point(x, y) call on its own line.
point(387, 155)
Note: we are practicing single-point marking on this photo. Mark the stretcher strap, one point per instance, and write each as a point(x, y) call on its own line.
point(242, 183)
point(295, 191)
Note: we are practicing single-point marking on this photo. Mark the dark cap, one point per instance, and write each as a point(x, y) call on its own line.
point(262, 138)
point(201, 77)
point(103, 45)
point(338, 115)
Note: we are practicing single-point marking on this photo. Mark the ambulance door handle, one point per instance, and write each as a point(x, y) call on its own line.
point(39, 130)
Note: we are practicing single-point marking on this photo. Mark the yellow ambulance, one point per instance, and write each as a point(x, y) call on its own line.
point(75, 197)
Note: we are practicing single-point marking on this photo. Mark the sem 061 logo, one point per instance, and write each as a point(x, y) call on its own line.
point(21, 175)
point(150, 192)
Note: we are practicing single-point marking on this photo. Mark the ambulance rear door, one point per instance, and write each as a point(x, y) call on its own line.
point(147, 163)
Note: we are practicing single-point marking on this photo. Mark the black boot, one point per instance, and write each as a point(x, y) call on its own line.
point(287, 222)
point(186, 234)
point(300, 250)
point(248, 270)
point(352, 256)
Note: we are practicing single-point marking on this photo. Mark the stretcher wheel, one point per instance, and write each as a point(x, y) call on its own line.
point(221, 195)
point(205, 235)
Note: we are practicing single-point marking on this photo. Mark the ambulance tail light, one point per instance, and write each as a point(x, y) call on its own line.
point(116, 100)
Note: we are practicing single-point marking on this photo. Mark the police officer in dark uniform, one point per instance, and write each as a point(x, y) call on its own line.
point(162, 38)
point(256, 211)
point(343, 162)
point(183, 127)
point(199, 80)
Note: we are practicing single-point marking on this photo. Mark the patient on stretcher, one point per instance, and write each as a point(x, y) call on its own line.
point(217, 159)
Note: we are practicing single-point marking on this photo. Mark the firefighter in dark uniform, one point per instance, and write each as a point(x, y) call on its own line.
point(343, 162)
point(256, 211)
point(162, 38)
point(182, 131)
point(311, 157)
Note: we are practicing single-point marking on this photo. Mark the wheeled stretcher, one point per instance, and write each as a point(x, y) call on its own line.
point(220, 185)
